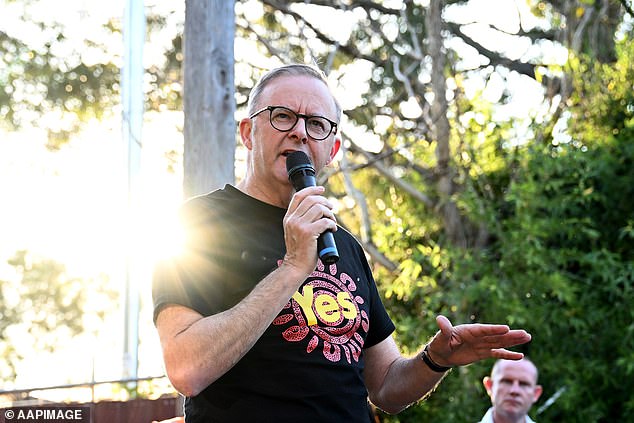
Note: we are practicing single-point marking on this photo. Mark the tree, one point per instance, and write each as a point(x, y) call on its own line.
point(43, 304)
point(504, 272)
point(209, 104)
point(38, 80)
point(59, 83)
point(537, 218)
point(564, 250)
point(403, 47)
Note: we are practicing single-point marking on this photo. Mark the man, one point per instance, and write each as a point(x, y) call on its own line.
point(253, 326)
point(513, 389)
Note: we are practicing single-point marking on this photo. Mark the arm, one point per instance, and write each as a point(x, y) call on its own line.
point(394, 382)
point(198, 350)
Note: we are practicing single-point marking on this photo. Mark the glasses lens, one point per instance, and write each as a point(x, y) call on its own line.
point(318, 127)
point(283, 119)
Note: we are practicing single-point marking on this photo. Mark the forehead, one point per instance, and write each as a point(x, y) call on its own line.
point(516, 370)
point(299, 92)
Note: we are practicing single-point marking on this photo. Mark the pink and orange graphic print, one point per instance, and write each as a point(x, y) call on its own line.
point(325, 312)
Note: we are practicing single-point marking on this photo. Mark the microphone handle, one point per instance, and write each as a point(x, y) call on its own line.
point(326, 246)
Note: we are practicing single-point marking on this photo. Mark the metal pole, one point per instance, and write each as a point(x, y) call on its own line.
point(132, 99)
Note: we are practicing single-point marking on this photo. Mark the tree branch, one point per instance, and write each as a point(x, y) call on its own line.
point(382, 169)
point(495, 58)
point(346, 48)
point(627, 7)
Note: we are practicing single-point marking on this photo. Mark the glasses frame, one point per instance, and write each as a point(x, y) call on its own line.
point(333, 125)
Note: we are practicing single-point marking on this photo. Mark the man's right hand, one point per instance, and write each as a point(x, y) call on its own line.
point(309, 215)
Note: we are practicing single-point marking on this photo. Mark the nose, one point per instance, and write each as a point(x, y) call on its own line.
point(515, 387)
point(298, 131)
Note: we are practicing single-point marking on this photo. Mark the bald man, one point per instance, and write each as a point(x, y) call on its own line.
point(513, 389)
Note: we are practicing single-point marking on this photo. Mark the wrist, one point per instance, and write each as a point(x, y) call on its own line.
point(424, 355)
point(294, 269)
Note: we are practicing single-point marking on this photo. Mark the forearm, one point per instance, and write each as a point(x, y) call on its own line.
point(408, 380)
point(395, 382)
point(198, 350)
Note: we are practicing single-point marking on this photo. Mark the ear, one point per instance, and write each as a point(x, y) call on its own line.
point(537, 393)
point(246, 126)
point(335, 149)
point(488, 384)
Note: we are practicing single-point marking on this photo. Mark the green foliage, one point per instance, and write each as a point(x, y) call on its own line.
point(59, 85)
point(551, 228)
point(43, 307)
point(559, 263)
point(37, 80)
point(165, 80)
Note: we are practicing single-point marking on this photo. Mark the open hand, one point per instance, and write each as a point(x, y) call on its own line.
point(467, 343)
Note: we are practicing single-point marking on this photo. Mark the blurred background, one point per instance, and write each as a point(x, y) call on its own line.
point(487, 168)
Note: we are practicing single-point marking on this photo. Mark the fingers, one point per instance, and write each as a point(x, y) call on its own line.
point(309, 206)
point(508, 339)
point(446, 328)
point(464, 344)
point(300, 195)
point(441, 342)
point(444, 324)
point(491, 330)
point(506, 354)
point(309, 214)
point(491, 341)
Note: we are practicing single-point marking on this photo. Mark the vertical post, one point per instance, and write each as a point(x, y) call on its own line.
point(132, 103)
point(208, 98)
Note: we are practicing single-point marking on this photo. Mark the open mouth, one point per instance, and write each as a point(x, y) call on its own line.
point(287, 152)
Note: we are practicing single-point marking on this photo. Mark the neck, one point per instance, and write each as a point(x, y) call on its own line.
point(279, 199)
point(499, 418)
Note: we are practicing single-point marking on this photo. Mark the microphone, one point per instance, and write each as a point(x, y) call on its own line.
point(301, 173)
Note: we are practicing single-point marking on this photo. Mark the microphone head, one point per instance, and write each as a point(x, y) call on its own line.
point(298, 161)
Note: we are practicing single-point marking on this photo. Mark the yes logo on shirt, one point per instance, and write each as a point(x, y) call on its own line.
point(325, 310)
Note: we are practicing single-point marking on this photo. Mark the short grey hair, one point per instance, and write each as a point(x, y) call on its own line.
point(294, 69)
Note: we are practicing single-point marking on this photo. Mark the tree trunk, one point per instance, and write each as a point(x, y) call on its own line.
point(454, 229)
point(208, 102)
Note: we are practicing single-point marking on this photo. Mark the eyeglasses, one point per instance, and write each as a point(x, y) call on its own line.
point(284, 119)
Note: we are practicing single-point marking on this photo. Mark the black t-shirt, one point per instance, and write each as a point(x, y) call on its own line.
point(308, 365)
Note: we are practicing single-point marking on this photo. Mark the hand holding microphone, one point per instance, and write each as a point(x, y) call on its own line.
point(301, 173)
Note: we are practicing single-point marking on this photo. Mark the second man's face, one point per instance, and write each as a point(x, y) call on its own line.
point(513, 388)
